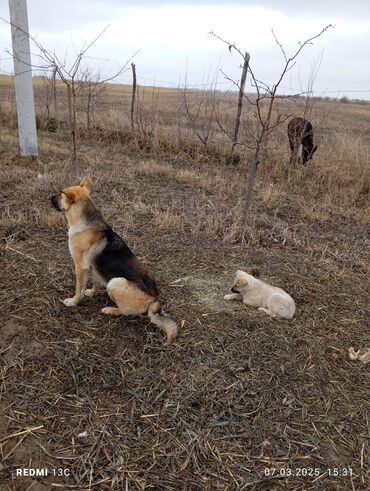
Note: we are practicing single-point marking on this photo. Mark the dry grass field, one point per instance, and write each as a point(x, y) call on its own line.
point(240, 401)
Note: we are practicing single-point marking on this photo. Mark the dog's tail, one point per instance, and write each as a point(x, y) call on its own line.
point(163, 321)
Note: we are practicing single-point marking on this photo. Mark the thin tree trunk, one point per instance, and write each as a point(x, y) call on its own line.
point(69, 98)
point(88, 108)
point(47, 102)
point(74, 136)
point(55, 92)
point(133, 94)
point(250, 184)
point(72, 123)
point(240, 101)
point(265, 140)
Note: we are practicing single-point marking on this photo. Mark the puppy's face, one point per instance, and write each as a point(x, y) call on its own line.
point(72, 195)
point(242, 282)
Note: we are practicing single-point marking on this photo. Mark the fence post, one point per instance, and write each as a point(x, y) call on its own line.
point(240, 101)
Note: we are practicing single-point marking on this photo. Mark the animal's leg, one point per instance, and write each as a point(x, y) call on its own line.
point(251, 302)
point(90, 292)
point(111, 311)
point(130, 300)
point(294, 156)
point(291, 145)
point(266, 311)
point(97, 284)
point(234, 296)
point(81, 279)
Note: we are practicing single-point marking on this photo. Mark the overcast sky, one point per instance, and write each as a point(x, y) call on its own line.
point(174, 40)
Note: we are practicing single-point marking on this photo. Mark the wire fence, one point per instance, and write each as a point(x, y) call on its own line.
point(202, 114)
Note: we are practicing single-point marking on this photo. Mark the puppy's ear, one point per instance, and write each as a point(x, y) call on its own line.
point(244, 280)
point(241, 278)
point(86, 183)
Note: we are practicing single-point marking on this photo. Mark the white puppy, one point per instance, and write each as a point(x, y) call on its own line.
point(269, 299)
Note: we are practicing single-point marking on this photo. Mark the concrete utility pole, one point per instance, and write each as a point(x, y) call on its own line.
point(23, 78)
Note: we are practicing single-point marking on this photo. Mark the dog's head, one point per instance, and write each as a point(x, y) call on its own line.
point(72, 195)
point(308, 154)
point(242, 282)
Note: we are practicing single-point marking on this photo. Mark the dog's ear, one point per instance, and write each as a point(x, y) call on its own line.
point(244, 281)
point(241, 278)
point(86, 183)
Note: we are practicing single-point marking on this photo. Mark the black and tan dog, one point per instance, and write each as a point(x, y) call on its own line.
point(97, 249)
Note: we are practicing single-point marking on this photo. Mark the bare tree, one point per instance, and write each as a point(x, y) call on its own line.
point(200, 109)
point(147, 113)
point(263, 102)
point(92, 88)
point(305, 107)
point(54, 78)
point(48, 90)
point(133, 95)
point(71, 75)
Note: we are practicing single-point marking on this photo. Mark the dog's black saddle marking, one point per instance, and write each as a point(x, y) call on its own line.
point(118, 261)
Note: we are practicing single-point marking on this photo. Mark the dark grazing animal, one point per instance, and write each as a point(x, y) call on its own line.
point(300, 132)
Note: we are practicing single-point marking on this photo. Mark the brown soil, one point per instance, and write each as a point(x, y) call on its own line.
point(238, 392)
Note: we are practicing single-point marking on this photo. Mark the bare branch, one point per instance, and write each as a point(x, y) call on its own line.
point(279, 44)
point(265, 92)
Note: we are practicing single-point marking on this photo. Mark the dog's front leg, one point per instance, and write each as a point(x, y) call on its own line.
point(90, 292)
point(234, 296)
point(81, 280)
point(97, 284)
point(250, 301)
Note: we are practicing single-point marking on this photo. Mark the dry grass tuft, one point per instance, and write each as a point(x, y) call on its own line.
point(167, 221)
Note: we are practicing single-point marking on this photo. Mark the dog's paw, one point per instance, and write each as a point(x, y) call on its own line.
point(228, 297)
point(266, 311)
point(70, 302)
point(109, 310)
point(90, 292)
